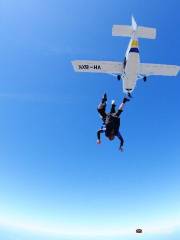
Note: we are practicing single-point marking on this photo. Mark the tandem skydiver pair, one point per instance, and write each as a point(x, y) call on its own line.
point(110, 121)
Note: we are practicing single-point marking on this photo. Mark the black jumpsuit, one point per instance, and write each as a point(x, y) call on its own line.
point(111, 122)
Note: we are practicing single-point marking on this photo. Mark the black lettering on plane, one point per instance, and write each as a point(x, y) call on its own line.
point(86, 67)
point(97, 67)
point(83, 67)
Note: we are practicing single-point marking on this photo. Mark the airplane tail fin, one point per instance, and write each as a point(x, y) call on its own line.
point(138, 31)
point(134, 24)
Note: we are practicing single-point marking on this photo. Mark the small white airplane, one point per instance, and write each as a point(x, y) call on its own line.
point(131, 69)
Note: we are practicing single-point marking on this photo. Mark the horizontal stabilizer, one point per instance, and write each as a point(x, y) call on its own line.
point(122, 30)
point(97, 66)
point(144, 32)
point(158, 69)
point(127, 31)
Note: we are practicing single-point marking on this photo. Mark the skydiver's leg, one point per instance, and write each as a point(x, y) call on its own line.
point(102, 107)
point(120, 109)
point(113, 107)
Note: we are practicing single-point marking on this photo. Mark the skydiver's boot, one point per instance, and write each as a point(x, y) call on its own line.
point(102, 108)
point(125, 99)
point(129, 95)
point(102, 105)
point(104, 98)
point(113, 102)
point(113, 107)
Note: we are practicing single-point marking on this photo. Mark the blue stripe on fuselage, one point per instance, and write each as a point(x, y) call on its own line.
point(136, 50)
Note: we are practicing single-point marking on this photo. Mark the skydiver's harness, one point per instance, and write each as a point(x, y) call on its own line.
point(111, 123)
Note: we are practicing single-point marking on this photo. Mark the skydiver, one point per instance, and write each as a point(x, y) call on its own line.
point(111, 121)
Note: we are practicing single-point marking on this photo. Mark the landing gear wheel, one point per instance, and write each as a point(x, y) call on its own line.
point(118, 77)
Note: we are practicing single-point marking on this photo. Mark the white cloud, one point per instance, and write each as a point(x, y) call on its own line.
point(60, 230)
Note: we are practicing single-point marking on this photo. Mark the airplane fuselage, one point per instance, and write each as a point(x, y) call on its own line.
point(131, 64)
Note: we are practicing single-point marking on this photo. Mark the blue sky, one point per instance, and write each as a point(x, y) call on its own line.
point(53, 176)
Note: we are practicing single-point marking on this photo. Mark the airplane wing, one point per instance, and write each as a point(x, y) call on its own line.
point(158, 69)
point(98, 66)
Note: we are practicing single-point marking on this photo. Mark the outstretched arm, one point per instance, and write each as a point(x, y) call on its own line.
point(121, 141)
point(99, 135)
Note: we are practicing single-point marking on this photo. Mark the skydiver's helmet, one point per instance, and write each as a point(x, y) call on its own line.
point(110, 135)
